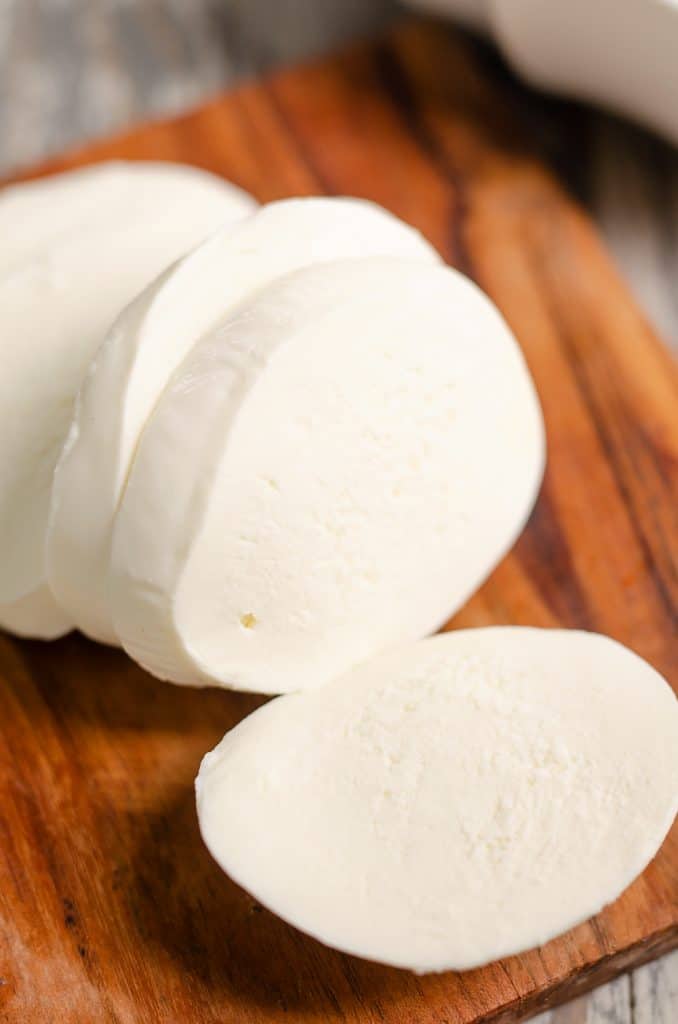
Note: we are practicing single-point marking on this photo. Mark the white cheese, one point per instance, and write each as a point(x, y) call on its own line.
point(147, 343)
point(334, 469)
point(75, 249)
point(37, 613)
point(454, 801)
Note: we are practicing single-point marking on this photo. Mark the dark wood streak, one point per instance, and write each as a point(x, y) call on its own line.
point(544, 543)
point(397, 86)
point(666, 468)
point(297, 139)
point(640, 449)
point(552, 130)
point(628, 494)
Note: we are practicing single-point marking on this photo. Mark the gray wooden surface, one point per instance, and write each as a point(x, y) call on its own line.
point(72, 70)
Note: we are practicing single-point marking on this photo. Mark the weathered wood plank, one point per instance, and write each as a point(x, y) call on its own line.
point(654, 992)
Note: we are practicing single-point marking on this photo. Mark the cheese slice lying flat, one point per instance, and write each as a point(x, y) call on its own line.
point(453, 801)
point(334, 469)
point(76, 248)
point(147, 343)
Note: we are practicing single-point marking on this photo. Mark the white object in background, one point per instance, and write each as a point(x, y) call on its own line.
point(335, 468)
point(146, 345)
point(75, 249)
point(454, 801)
point(620, 55)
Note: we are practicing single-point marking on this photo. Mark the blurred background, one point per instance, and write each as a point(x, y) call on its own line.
point(72, 70)
point(75, 69)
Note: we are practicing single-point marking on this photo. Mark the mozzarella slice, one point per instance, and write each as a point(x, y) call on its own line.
point(76, 249)
point(146, 344)
point(334, 469)
point(454, 801)
point(41, 215)
point(37, 610)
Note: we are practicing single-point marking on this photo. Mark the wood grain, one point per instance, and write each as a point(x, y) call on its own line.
point(111, 909)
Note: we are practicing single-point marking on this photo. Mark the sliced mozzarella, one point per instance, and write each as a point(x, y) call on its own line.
point(38, 612)
point(76, 249)
point(336, 468)
point(454, 801)
point(40, 215)
point(147, 343)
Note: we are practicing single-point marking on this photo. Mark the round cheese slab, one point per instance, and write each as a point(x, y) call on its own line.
point(147, 344)
point(76, 249)
point(334, 469)
point(454, 801)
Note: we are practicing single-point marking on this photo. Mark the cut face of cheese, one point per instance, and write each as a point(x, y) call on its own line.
point(454, 801)
point(145, 346)
point(336, 468)
point(76, 249)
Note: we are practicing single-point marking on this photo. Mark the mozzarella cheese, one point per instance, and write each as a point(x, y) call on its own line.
point(454, 801)
point(333, 469)
point(37, 613)
point(76, 248)
point(147, 343)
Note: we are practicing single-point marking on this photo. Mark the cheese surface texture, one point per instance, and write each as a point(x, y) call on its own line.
point(454, 801)
point(75, 249)
point(146, 344)
point(335, 469)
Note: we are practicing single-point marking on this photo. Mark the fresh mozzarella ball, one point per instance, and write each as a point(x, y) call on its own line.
point(75, 249)
point(147, 343)
point(36, 613)
point(456, 800)
point(334, 469)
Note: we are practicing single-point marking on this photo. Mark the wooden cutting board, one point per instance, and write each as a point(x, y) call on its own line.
point(111, 910)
